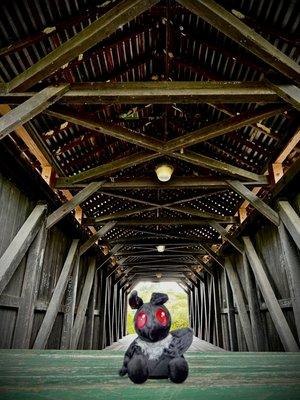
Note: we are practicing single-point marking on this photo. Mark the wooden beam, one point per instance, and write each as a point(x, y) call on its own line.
point(292, 143)
point(238, 31)
point(56, 299)
point(254, 309)
point(25, 316)
point(89, 333)
point(99, 234)
point(189, 182)
point(162, 221)
point(109, 129)
point(291, 262)
point(227, 236)
point(83, 303)
point(238, 294)
point(291, 220)
point(222, 127)
point(70, 303)
point(289, 93)
point(255, 201)
point(233, 342)
point(186, 140)
point(98, 30)
point(30, 108)
point(161, 92)
point(281, 325)
point(196, 213)
point(111, 167)
point(215, 165)
point(17, 249)
point(79, 198)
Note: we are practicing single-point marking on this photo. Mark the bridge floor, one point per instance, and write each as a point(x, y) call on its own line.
point(89, 375)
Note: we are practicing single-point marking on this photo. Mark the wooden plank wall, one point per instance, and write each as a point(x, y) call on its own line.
point(268, 245)
point(15, 208)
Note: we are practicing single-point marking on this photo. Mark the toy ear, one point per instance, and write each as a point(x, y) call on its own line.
point(135, 301)
point(159, 299)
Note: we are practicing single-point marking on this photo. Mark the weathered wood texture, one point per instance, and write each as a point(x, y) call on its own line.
point(26, 297)
point(280, 259)
point(94, 374)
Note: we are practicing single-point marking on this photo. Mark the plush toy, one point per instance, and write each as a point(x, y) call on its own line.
point(156, 353)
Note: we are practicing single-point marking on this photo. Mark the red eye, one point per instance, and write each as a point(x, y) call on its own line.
point(141, 320)
point(161, 317)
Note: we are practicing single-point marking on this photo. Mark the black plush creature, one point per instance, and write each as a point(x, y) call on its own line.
point(156, 352)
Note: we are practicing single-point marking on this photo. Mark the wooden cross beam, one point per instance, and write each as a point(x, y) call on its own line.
point(79, 198)
point(255, 201)
point(225, 235)
point(30, 108)
point(98, 30)
point(238, 31)
point(91, 240)
point(172, 146)
point(17, 249)
point(188, 182)
point(279, 320)
point(161, 92)
point(162, 221)
point(289, 93)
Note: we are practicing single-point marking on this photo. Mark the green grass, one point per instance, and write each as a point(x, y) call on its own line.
point(177, 305)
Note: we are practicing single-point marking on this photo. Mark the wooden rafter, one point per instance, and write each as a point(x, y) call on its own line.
point(238, 31)
point(98, 30)
point(30, 108)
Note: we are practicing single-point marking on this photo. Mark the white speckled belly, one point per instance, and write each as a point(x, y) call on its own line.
point(154, 350)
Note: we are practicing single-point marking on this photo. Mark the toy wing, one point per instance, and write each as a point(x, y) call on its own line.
point(182, 339)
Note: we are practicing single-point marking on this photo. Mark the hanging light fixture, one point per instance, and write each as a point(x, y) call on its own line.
point(164, 172)
point(161, 248)
point(158, 275)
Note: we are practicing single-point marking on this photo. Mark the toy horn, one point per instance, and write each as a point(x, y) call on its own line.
point(135, 301)
point(159, 299)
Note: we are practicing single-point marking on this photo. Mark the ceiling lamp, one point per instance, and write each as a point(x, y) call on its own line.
point(161, 248)
point(158, 275)
point(164, 172)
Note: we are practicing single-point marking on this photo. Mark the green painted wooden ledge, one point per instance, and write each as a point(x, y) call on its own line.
point(56, 374)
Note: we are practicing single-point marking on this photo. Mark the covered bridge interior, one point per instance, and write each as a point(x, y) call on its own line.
point(98, 100)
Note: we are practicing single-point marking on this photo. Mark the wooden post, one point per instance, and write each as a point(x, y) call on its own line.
point(30, 108)
point(291, 220)
point(83, 303)
point(103, 302)
point(56, 299)
point(281, 325)
point(292, 263)
point(71, 292)
point(90, 315)
point(238, 294)
point(24, 321)
point(17, 249)
point(255, 316)
point(219, 338)
point(231, 317)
